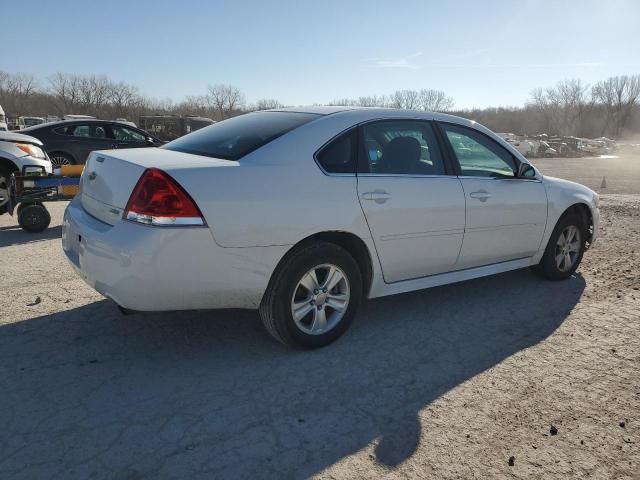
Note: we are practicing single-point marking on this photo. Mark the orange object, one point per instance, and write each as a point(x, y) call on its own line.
point(71, 170)
point(70, 190)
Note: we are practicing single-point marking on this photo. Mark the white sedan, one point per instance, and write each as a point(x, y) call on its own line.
point(303, 212)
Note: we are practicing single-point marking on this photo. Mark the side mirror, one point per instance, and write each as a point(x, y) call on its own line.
point(151, 141)
point(526, 171)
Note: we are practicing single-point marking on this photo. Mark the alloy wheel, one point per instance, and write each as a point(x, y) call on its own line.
point(568, 248)
point(320, 299)
point(58, 161)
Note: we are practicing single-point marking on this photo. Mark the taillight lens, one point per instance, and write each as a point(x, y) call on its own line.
point(159, 200)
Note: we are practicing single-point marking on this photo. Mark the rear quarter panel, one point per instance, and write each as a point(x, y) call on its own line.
point(277, 195)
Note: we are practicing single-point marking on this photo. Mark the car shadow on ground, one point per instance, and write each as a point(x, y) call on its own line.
point(15, 235)
point(90, 393)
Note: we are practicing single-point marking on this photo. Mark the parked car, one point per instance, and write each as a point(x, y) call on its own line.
point(302, 212)
point(19, 153)
point(77, 117)
point(26, 122)
point(170, 127)
point(3, 121)
point(70, 141)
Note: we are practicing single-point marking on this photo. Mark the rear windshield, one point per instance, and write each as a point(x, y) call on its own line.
point(234, 138)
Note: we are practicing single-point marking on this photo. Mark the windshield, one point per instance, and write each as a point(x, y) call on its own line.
point(234, 138)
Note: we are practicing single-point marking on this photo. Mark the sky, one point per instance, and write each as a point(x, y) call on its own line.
point(482, 53)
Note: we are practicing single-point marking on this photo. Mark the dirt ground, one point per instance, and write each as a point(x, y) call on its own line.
point(451, 382)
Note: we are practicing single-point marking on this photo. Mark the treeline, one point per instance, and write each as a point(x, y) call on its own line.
point(97, 95)
point(608, 108)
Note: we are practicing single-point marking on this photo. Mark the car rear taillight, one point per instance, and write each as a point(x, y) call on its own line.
point(158, 199)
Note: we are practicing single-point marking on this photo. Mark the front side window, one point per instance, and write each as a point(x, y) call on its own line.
point(406, 147)
point(339, 156)
point(236, 137)
point(124, 134)
point(478, 155)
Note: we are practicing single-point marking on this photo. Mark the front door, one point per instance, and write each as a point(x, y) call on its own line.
point(414, 209)
point(505, 215)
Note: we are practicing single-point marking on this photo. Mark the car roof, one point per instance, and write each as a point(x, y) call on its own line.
point(18, 137)
point(370, 113)
point(74, 121)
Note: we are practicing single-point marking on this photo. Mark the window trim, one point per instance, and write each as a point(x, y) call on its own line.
point(454, 158)
point(344, 132)
point(449, 172)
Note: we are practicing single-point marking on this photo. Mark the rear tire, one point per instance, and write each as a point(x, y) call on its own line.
point(34, 218)
point(336, 281)
point(565, 249)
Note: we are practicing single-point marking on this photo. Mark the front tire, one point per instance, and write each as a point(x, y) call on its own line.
point(565, 249)
point(313, 296)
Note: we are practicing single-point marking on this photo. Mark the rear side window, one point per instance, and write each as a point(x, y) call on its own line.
point(234, 138)
point(401, 147)
point(339, 156)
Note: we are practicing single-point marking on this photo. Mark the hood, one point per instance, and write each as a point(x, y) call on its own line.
point(19, 138)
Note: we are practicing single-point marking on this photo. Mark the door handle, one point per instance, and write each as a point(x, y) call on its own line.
point(481, 195)
point(378, 196)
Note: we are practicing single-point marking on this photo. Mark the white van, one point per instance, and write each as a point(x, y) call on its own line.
point(3, 121)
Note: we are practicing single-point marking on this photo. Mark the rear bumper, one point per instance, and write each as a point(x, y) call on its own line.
point(154, 269)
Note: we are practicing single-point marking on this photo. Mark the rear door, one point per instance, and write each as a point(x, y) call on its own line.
point(505, 215)
point(413, 205)
point(84, 138)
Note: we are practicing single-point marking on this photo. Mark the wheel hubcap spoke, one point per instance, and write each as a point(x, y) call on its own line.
point(319, 320)
point(333, 278)
point(310, 281)
point(300, 310)
point(338, 302)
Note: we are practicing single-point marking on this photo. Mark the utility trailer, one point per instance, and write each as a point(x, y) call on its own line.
point(28, 192)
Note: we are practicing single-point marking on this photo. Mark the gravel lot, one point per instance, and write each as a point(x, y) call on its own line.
point(444, 383)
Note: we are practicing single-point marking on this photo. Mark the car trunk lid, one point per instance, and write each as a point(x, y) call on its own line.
point(110, 176)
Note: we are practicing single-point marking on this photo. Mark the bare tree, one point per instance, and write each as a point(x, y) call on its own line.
point(562, 106)
point(407, 99)
point(267, 104)
point(65, 89)
point(123, 98)
point(618, 96)
point(434, 100)
point(224, 99)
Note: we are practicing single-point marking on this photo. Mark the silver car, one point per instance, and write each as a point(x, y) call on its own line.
point(304, 212)
point(19, 153)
